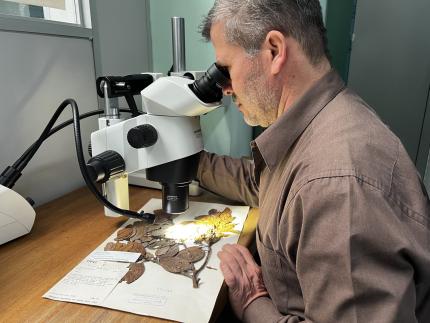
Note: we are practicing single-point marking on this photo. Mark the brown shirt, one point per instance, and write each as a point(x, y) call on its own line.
point(343, 234)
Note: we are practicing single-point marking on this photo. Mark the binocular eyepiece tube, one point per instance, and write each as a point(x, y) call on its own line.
point(208, 88)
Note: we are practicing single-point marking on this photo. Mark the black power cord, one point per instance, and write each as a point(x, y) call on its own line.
point(29, 153)
point(12, 173)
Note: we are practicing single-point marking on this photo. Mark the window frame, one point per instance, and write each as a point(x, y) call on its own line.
point(46, 27)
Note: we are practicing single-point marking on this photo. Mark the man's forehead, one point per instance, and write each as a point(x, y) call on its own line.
point(224, 51)
point(220, 46)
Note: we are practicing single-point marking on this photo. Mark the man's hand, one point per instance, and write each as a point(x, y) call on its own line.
point(242, 275)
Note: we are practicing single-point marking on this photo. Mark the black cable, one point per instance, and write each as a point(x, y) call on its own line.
point(82, 165)
point(27, 155)
point(12, 173)
point(49, 131)
point(132, 104)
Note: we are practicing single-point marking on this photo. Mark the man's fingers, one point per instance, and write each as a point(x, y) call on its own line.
point(230, 260)
point(246, 254)
point(233, 265)
point(232, 250)
point(228, 274)
point(240, 252)
point(231, 256)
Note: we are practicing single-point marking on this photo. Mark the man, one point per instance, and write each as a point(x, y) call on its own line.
point(343, 233)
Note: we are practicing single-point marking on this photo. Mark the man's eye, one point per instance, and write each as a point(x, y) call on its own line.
point(225, 70)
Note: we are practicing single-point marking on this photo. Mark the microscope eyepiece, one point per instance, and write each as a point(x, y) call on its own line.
point(208, 88)
point(220, 74)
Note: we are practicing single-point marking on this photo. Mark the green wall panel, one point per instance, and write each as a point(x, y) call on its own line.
point(339, 19)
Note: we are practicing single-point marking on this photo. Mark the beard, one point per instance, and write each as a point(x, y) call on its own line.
point(261, 98)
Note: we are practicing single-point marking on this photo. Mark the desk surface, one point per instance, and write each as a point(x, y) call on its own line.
point(31, 265)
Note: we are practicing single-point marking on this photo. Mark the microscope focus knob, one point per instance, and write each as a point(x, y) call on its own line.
point(106, 165)
point(142, 136)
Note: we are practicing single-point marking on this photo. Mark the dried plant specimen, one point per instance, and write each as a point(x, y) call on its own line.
point(170, 252)
point(192, 254)
point(135, 271)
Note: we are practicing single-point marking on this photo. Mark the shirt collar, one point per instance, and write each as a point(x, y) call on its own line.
point(285, 131)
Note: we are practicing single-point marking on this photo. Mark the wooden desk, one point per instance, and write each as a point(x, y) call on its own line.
point(59, 240)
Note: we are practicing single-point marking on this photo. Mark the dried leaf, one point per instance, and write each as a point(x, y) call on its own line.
point(135, 271)
point(175, 264)
point(162, 243)
point(149, 256)
point(191, 254)
point(161, 251)
point(129, 247)
point(173, 251)
point(136, 247)
point(162, 217)
point(159, 232)
point(151, 243)
point(170, 252)
point(146, 238)
point(124, 234)
point(138, 232)
point(152, 227)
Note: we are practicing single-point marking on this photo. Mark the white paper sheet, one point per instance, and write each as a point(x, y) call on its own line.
point(118, 256)
point(157, 292)
point(88, 283)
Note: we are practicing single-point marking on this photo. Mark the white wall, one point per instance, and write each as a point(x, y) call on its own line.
point(121, 37)
point(37, 72)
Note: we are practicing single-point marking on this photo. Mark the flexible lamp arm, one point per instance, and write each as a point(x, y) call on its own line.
point(11, 174)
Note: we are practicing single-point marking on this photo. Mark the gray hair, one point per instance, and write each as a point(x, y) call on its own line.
point(247, 22)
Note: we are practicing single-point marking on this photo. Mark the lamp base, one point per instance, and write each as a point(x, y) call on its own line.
point(16, 215)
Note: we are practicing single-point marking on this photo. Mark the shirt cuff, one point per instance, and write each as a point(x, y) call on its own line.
point(262, 310)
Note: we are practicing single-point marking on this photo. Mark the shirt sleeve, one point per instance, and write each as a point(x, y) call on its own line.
point(352, 255)
point(229, 177)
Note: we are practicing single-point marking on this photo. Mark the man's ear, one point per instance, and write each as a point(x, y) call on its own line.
point(276, 50)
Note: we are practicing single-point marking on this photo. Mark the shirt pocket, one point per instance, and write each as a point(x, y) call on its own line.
point(274, 275)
